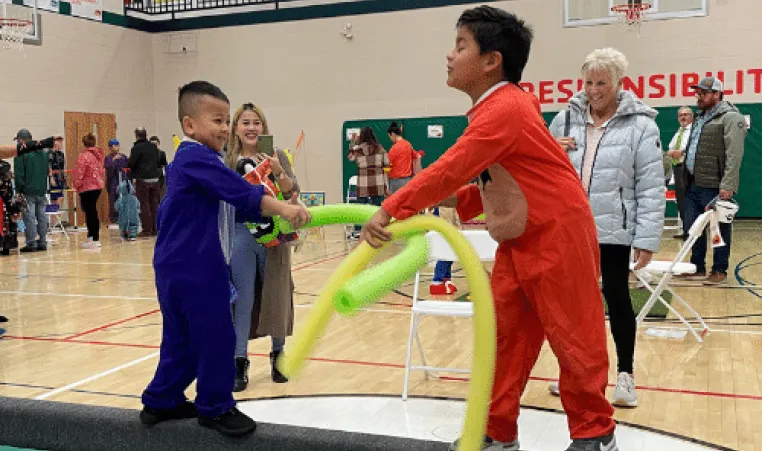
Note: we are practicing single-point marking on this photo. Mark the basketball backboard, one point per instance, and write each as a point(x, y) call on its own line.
point(10, 9)
point(578, 13)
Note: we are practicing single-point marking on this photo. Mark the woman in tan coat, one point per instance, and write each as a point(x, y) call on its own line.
point(261, 275)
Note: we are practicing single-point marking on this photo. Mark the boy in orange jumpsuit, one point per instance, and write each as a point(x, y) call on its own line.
point(545, 278)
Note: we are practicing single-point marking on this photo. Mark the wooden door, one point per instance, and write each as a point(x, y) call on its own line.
point(76, 126)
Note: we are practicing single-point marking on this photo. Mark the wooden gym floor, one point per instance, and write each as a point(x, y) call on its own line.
point(85, 328)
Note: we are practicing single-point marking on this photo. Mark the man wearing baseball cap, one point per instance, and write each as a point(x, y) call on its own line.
point(712, 165)
point(31, 177)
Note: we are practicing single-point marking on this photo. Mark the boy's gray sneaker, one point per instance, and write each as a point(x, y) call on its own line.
point(607, 443)
point(491, 445)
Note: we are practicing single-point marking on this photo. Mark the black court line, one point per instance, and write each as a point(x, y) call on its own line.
point(523, 406)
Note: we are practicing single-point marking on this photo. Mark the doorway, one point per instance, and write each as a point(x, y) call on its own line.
point(76, 126)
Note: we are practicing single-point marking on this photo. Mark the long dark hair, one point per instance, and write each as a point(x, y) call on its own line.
point(368, 137)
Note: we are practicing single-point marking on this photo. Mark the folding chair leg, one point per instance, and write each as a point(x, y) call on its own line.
point(418, 343)
point(692, 310)
point(656, 295)
point(409, 358)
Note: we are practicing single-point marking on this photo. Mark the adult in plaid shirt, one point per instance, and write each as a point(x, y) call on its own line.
point(371, 159)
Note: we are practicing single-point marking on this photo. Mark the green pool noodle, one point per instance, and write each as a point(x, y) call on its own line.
point(376, 282)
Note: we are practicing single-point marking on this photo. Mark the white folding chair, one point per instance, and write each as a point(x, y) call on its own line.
point(351, 198)
point(53, 212)
point(439, 249)
point(665, 270)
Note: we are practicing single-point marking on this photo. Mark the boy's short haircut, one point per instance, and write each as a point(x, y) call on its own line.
point(188, 95)
point(496, 30)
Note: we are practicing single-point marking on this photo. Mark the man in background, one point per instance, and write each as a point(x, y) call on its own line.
point(31, 177)
point(676, 149)
point(162, 167)
point(712, 169)
point(144, 170)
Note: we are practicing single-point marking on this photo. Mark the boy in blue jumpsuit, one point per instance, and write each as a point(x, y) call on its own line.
point(191, 258)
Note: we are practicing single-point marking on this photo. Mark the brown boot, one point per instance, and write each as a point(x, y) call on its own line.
point(277, 376)
point(716, 278)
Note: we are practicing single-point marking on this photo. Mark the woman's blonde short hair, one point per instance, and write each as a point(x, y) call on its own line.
point(607, 59)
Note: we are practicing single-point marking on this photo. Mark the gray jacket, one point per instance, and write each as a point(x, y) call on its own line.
point(627, 183)
point(720, 150)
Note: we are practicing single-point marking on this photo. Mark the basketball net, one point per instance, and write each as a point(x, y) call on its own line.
point(12, 33)
point(631, 15)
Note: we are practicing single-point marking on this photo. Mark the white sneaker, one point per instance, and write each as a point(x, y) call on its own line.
point(624, 393)
point(553, 389)
point(490, 445)
point(90, 244)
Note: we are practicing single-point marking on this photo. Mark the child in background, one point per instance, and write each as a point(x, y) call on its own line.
point(191, 261)
point(128, 210)
point(10, 209)
point(442, 284)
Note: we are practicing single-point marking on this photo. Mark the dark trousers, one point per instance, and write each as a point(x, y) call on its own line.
point(149, 196)
point(113, 195)
point(89, 201)
point(680, 193)
point(198, 340)
point(615, 272)
point(696, 200)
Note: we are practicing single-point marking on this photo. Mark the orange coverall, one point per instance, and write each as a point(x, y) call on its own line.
point(545, 277)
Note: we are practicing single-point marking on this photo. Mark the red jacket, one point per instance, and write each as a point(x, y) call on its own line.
point(527, 184)
point(89, 172)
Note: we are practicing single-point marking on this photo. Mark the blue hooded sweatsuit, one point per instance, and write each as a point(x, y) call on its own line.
point(193, 279)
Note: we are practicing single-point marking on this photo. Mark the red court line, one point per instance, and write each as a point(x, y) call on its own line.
point(335, 257)
point(395, 366)
point(640, 387)
point(115, 323)
point(82, 342)
point(106, 326)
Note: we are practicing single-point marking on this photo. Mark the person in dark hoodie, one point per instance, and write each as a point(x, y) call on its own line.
point(144, 170)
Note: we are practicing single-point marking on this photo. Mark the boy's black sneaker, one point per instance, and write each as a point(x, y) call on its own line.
point(232, 423)
point(150, 416)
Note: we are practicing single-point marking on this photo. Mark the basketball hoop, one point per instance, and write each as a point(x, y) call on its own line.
point(631, 14)
point(13, 32)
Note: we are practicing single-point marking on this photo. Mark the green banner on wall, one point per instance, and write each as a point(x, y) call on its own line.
point(416, 131)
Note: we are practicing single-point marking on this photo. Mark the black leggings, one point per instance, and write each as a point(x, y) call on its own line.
point(89, 201)
point(615, 270)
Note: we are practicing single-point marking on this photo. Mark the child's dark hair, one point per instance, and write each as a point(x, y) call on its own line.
point(368, 137)
point(496, 30)
point(190, 93)
point(394, 128)
point(89, 140)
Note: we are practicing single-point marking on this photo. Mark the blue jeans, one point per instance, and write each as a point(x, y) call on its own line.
point(696, 200)
point(36, 221)
point(442, 271)
point(246, 263)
